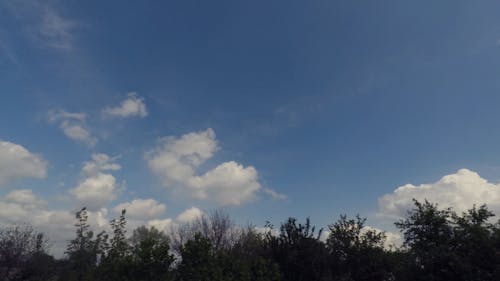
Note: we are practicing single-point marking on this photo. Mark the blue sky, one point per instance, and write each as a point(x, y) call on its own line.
point(268, 108)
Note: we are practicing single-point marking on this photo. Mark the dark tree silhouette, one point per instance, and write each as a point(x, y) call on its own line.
point(356, 253)
point(298, 251)
point(439, 244)
point(20, 248)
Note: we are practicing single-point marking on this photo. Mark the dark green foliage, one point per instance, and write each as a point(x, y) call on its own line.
point(198, 261)
point(250, 250)
point(298, 251)
point(356, 253)
point(23, 254)
point(439, 244)
point(116, 264)
point(84, 251)
point(202, 261)
point(151, 257)
point(442, 245)
point(40, 267)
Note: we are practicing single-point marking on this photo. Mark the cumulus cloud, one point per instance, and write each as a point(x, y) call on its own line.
point(189, 215)
point(460, 190)
point(96, 191)
point(175, 161)
point(141, 208)
point(97, 188)
point(16, 162)
point(73, 126)
point(133, 106)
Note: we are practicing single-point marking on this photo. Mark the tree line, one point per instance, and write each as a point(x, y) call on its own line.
point(438, 244)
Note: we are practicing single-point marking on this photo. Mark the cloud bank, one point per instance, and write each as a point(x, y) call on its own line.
point(460, 190)
point(16, 162)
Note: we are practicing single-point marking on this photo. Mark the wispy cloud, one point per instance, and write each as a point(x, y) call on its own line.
point(274, 194)
point(6, 52)
point(56, 31)
point(43, 23)
point(73, 126)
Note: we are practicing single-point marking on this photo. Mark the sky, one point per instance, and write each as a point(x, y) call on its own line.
point(268, 109)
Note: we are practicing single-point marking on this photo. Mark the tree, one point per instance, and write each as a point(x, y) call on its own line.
point(250, 252)
point(356, 252)
point(143, 233)
point(198, 261)
point(428, 234)
point(474, 244)
point(151, 257)
point(85, 250)
point(20, 246)
point(217, 227)
point(446, 246)
point(298, 251)
point(116, 264)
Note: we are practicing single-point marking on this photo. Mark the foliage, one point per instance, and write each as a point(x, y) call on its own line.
point(439, 244)
point(445, 246)
point(22, 250)
point(85, 250)
point(298, 251)
point(151, 257)
point(355, 252)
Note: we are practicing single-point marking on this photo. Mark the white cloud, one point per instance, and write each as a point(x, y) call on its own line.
point(141, 208)
point(460, 190)
point(175, 161)
point(78, 132)
point(24, 197)
point(161, 224)
point(97, 188)
point(96, 191)
point(189, 215)
point(133, 106)
point(73, 126)
point(100, 162)
point(229, 184)
point(16, 162)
